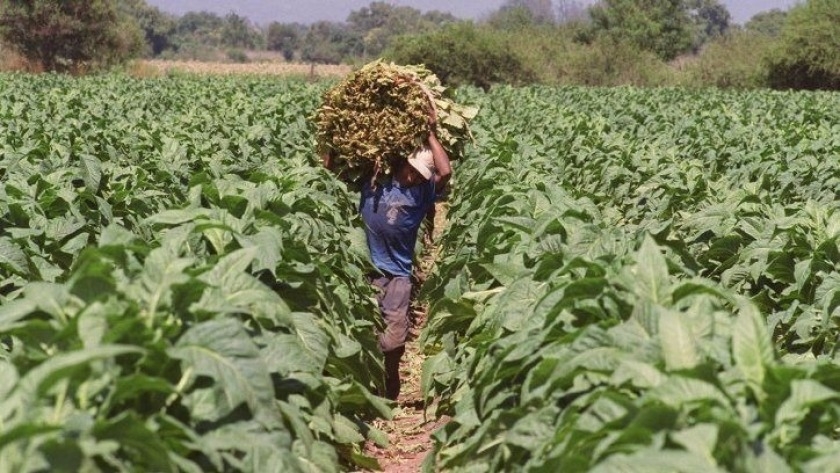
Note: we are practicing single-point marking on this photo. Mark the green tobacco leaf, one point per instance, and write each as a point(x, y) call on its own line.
point(116, 235)
point(641, 375)
point(700, 440)
point(65, 365)
point(12, 256)
point(605, 410)
point(269, 242)
point(354, 398)
point(826, 461)
point(752, 349)
point(62, 455)
point(76, 244)
point(61, 228)
point(515, 304)
point(680, 392)
point(23, 433)
point(679, 348)
point(268, 458)
point(217, 233)
point(232, 289)
point(363, 461)
point(135, 385)
point(439, 367)
point(230, 265)
point(93, 324)
point(345, 346)
point(651, 275)
point(319, 457)
point(91, 169)
point(161, 271)
point(647, 461)
point(92, 277)
point(767, 460)
point(286, 354)
point(311, 336)
point(697, 287)
point(263, 451)
point(208, 404)
point(804, 394)
point(178, 216)
point(8, 378)
point(223, 351)
point(133, 435)
point(505, 272)
point(345, 430)
point(14, 311)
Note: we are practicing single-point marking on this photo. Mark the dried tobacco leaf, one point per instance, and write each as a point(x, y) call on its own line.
point(380, 114)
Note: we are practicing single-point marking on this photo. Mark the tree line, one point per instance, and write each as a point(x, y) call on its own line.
point(641, 42)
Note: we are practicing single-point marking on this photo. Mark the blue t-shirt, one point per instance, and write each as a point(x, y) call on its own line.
point(392, 216)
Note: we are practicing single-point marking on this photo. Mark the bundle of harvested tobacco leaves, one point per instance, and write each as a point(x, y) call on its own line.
point(380, 114)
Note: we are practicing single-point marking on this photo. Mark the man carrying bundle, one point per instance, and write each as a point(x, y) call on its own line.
point(380, 128)
point(392, 212)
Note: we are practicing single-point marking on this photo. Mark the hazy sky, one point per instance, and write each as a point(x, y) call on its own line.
point(308, 11)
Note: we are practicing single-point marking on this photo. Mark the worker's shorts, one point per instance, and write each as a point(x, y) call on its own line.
point(393, 294)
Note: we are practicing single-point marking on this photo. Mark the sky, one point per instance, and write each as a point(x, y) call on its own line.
point(263, 12)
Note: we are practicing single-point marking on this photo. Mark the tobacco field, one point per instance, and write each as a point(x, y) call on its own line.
point(630, 280)
point(182, 289)
point(641, 280)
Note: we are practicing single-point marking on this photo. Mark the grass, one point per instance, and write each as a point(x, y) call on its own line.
point(251, 68)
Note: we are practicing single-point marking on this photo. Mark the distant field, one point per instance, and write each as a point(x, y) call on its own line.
point(254, 68)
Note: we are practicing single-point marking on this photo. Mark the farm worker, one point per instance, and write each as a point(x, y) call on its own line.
point(392, 213)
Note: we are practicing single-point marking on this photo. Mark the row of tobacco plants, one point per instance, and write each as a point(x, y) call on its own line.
point(641, 280)
point(181, 288)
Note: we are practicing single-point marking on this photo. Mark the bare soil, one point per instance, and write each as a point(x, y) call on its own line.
point(410, 431)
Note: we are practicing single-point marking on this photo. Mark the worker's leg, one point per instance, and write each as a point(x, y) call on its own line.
point(394, 299)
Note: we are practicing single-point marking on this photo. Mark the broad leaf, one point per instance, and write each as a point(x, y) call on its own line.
point(222, 351)
point(679, 348)
point(752, 350)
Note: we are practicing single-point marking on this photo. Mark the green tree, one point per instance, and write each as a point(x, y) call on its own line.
point(570, 11)
point(380, 22)
point(70, 35)
point(284, 37)
point(158, 27)
point(463, 53)
point(809, 55)
point(327, 42)
point(237, 32)
point(769, 23)
point(541, 11)
point(663, 27)
point(737, 59)
point(512, 19)
point(711, 20)
point(204, 28)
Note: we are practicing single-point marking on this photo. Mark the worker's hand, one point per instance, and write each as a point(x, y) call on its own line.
point(327, 161)
point(432, 118)
point(432, 106)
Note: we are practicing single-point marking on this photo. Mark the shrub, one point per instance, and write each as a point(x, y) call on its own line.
point(463, 54)
point(809, 53)
point(11, 60)
point(237, 55)
point(543, 50)
point(737, 60)
point(69, 36)
point(608, 62)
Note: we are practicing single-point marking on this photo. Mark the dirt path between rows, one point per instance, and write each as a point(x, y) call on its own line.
point(409, 433)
